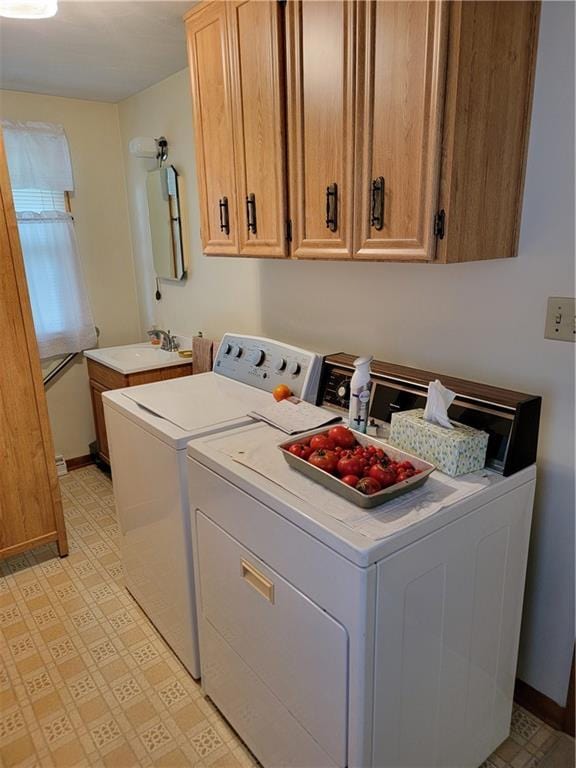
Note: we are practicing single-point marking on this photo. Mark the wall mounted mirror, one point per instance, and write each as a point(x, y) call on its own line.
point(165, 222)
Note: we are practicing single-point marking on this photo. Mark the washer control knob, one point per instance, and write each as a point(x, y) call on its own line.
point(343, 391)
point(279, 364)
point(294, 368)
point(236, 350)
point(256, 356)
point(227, 349)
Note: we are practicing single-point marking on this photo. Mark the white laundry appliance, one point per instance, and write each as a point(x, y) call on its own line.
point(148, 428)
point(336, 636)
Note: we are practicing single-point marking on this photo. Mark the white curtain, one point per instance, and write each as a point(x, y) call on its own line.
point(39, 159)
point(38, 156)
point(62, 316)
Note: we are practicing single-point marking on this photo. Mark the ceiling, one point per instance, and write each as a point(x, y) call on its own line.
point(103, 51)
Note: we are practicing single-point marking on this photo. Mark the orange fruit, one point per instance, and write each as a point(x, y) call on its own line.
point(281, 392)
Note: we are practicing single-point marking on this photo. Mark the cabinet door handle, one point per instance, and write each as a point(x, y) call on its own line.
point(224, 218)
point(332, 207)
point(257, 580)
point(251, 212)
point(377, 203)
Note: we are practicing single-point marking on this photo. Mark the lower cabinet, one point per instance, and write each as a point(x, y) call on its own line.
point(103, 379)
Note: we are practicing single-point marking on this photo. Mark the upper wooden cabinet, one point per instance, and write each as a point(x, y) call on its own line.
point(257, 88)
point(237, 73)
point(358, 129)
point(207, 32)
point(401, 75)
point(320, 64)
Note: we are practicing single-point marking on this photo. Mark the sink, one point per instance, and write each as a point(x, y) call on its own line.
point(135, 357)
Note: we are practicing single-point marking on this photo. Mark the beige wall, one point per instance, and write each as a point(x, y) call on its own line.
point(219, 294)
point(483, 322)
point(479, 321)
point(101, 219)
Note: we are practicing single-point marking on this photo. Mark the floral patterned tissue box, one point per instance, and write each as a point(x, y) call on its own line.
point(453, 451)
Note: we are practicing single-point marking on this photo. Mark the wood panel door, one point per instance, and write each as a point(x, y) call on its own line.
point(30, 503)
point(207, 36)
point(258, 98)
point(401, 74)
point(320, 66)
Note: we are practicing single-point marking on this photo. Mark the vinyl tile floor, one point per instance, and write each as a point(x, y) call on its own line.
point(85, 680)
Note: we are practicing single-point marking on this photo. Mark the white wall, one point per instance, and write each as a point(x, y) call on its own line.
point(483, 322)
point(100, 214)
point(219, 294)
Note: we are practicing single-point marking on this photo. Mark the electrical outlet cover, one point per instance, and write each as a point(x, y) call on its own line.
point(561, 319)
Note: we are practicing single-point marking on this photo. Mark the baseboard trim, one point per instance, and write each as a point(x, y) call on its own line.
point(79, 461)
point(543, 707)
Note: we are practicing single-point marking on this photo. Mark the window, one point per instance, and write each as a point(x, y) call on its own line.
point(39, 200)
point(41, 176)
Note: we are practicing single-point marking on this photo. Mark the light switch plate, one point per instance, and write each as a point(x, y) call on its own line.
point(561, 319)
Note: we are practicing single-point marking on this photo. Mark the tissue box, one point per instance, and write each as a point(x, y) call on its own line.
point(453, 451)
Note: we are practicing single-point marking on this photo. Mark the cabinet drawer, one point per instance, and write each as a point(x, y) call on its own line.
point(107, 377)
point(296, 649)
point(265, 725)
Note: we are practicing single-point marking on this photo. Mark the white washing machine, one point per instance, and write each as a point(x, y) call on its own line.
point(336, 636)
point(148, 428)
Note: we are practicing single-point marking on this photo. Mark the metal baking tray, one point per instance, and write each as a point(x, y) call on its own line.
point(346, 491)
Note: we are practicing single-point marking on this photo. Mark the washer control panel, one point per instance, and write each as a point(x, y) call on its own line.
point(265, 363)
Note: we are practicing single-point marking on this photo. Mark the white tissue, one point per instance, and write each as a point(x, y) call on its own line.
point(437, 404)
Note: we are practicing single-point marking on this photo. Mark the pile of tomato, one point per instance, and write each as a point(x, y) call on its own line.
point(368, 468)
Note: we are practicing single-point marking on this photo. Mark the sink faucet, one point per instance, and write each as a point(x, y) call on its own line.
point(168, 342)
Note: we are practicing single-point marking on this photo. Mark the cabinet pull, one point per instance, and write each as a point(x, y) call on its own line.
point(224, 219)
point(377, 203)
point(251, 212)
point(332, 207)
point(257, 580)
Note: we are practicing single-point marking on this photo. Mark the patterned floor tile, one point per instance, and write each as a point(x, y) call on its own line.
point(87, 681)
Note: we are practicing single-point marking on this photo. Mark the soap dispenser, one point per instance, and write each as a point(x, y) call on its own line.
point(360, 386)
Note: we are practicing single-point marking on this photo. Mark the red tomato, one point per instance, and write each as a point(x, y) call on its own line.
point(352, 480)
point(384, 475)
point(406, 465)
point(321, 441)
point(324, 459)
point(368, 486)
point(349, 465)
point(296, 449)
point(306, 452)
point(342, 436)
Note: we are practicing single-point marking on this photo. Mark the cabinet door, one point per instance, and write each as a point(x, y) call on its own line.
point(99, 423)
point(207, 35)
point(258, 102)
point(320, 63)
point(401, 72)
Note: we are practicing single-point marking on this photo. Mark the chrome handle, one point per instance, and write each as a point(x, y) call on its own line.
point(224, 219)
point(251, 212)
